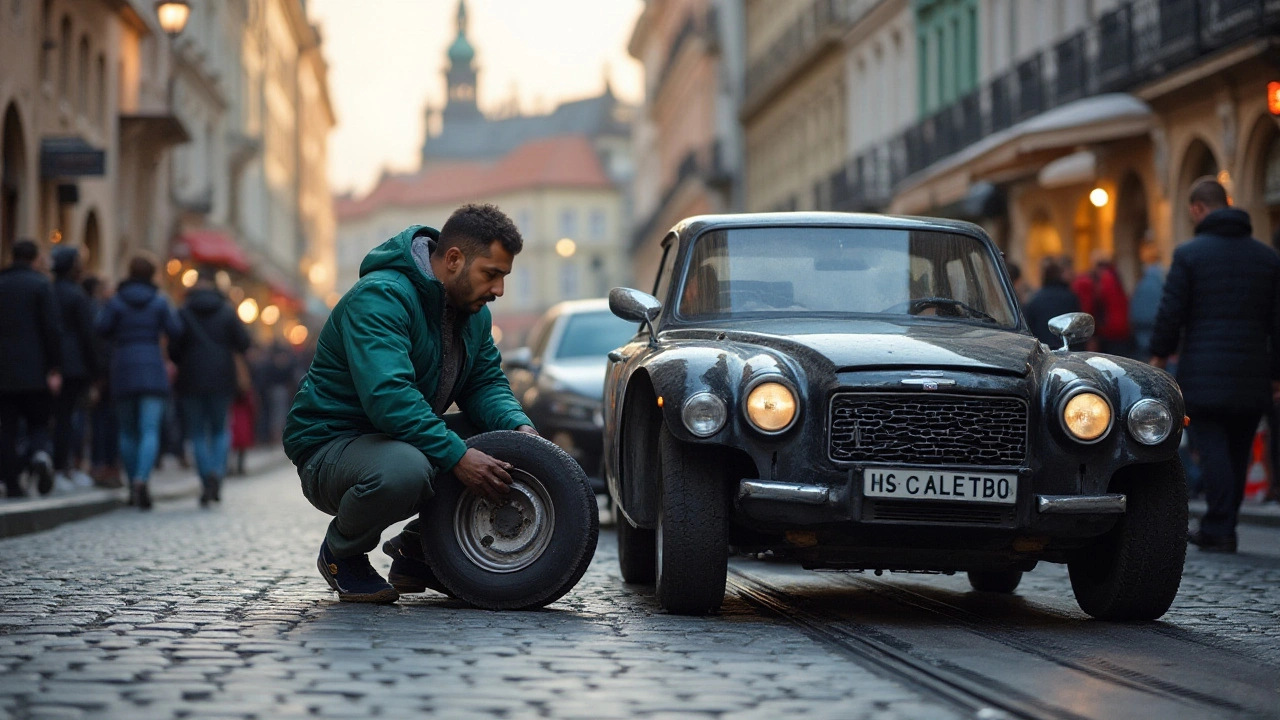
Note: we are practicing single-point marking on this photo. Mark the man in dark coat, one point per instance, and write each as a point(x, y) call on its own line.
point(78, 356)
point(1221, 300)
point(133, 321)
point(29, 367)
point(212, 335)
point(1054, 298)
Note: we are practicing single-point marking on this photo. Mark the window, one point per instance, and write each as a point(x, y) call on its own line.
point(568, 223)
point(46, 39)
point(64, 57)
point(593, 334)
point(596, 224)
point(524, 223)
point(568, 280)
point(100, 91)
point(82, 76)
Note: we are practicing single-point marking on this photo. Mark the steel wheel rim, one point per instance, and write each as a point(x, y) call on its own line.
point(506, 537)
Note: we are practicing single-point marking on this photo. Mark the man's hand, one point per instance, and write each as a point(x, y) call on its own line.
point(528, 429)
point(484, 474)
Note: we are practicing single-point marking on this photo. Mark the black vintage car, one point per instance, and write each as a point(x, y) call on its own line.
point(861, 392)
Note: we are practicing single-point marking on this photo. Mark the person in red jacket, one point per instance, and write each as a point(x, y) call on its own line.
point(1102, 295)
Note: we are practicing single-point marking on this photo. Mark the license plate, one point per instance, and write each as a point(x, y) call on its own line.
point(961, 485)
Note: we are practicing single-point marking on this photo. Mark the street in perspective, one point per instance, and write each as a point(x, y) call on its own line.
point(642, 359)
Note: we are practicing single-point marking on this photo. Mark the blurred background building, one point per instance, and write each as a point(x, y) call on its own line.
point(563, 178)
point(193, 130)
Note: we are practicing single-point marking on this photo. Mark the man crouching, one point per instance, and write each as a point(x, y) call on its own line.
point(368, 430)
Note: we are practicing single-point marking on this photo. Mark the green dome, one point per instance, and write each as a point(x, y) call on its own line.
point(461, 51)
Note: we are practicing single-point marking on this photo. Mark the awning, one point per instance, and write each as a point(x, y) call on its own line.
point(1025, 148)
point(211, 247)
point(1073, 169)
point(70, 156)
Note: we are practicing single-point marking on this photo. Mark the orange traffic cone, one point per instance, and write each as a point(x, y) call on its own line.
point(1258, 479)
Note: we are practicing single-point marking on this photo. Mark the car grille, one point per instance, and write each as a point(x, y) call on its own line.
point(943, 513)
point(922, 429)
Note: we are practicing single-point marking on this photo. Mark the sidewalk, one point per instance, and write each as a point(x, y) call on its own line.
point(1251, 512)
point(33, 514)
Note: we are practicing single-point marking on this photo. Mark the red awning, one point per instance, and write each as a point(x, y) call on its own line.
point(212, 247)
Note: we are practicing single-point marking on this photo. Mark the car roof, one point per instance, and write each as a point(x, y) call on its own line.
point(696, 224)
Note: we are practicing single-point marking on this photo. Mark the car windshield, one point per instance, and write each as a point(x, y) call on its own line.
point(593, 334)
point(805, 271)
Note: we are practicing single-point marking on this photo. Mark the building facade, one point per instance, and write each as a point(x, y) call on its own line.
point(687, 140)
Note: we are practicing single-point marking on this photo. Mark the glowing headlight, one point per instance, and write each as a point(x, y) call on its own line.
point(1150, 422)
point(1087, 416)
point(771, 407)
point(704, 414)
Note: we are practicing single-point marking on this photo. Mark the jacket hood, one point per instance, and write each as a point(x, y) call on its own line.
point(205, 301)
point(136, 292)
point(1227, 222)
point(396, 254)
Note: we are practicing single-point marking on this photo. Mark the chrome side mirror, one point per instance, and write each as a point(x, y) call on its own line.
point(521, 357)
point(1072, 328)
point(635, 306)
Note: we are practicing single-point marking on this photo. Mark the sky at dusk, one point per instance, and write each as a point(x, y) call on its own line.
point(387, 60)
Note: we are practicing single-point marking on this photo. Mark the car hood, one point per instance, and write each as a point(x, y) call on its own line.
point(581, 376)
point(871, 344)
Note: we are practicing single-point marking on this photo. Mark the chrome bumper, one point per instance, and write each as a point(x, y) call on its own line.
point(786, 492)
point(1080, 504)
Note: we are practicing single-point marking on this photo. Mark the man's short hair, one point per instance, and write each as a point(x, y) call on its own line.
point(25, 251)
point(1209, 192)
point(141, 268)
point(472, 228)
point(1051, 271)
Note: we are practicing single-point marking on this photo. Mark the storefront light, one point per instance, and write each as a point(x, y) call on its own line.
point(189, 278)
point(566, 247)
point(173, 267)
point(223, 279)
point(248, 310)
point(297, 334)
point(1099, 197)
point(270, 314)
point(318, 274)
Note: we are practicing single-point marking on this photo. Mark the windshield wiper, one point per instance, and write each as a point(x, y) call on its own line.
point(921, 303)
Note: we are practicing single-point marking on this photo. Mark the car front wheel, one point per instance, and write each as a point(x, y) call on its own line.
point(693, 530)
point(1133, 572)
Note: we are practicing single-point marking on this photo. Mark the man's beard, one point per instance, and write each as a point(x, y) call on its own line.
point(461, 295)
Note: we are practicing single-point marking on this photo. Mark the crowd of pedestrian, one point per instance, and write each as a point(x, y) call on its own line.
point(95, 386)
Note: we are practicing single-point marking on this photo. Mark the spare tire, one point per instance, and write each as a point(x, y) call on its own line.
point(526, 552)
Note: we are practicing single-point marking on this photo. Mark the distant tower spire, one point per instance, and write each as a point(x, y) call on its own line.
point(460, 78)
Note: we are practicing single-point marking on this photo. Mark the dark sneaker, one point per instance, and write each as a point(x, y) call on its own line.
point(354, 579)
point(1212, 543)
point(409, 571)
point(215, 488)
point(42, 466)
point(142, 496)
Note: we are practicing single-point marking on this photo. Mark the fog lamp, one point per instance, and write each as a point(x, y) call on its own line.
point(771, 407)
point(704, 414)
point(1150, 421)
point(1086, 416)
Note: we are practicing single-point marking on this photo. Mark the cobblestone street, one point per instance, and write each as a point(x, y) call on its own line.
point(188, 613)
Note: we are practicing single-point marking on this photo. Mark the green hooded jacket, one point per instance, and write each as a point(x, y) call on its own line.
point(378, 360)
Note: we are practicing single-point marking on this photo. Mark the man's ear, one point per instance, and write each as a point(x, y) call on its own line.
point(454, 259)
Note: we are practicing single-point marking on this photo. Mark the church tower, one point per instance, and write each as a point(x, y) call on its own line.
point(461, 75)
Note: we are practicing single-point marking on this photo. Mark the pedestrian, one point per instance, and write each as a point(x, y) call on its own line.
point(29, 368)
point(212, 337)
point(104, 432)
point(134, 321)
point(1054, 298)
point(1102, 295)
point(1020, 286)
point(243, 411)
point(368, 430)
point(1221, 303)
point(1146, 299)
point(79, 361)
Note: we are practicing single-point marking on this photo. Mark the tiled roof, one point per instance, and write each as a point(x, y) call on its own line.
point(567, 161)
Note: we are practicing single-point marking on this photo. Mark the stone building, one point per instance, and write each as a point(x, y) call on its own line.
point(687, 139)
point(560, 176)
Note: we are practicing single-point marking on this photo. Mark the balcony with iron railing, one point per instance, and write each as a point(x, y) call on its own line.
point(1138, 42)
point(817, 27)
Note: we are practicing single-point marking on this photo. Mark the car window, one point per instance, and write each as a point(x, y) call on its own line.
point(593, 334)
point(800, 271)
point(665, 270)
point(538, 336)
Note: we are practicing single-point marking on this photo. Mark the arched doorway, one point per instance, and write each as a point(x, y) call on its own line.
point(1131, 228)
point(91, 251)
point(1197, 162)
point(1086, 234)
point(1043, 241)
point(13, 179)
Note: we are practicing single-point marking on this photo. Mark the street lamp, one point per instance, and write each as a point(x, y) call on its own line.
point(173, 15)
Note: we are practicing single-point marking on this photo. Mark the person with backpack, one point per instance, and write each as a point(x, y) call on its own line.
point(205, 354)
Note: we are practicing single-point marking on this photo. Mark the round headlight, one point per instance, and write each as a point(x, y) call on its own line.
point(771, 407)
point(1087, 416)
point(704, 414)
point(1150, 422)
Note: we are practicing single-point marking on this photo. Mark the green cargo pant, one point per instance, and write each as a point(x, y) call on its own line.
point(369, 483)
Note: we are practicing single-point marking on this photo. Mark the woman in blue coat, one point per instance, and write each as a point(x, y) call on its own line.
point(133, 321)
